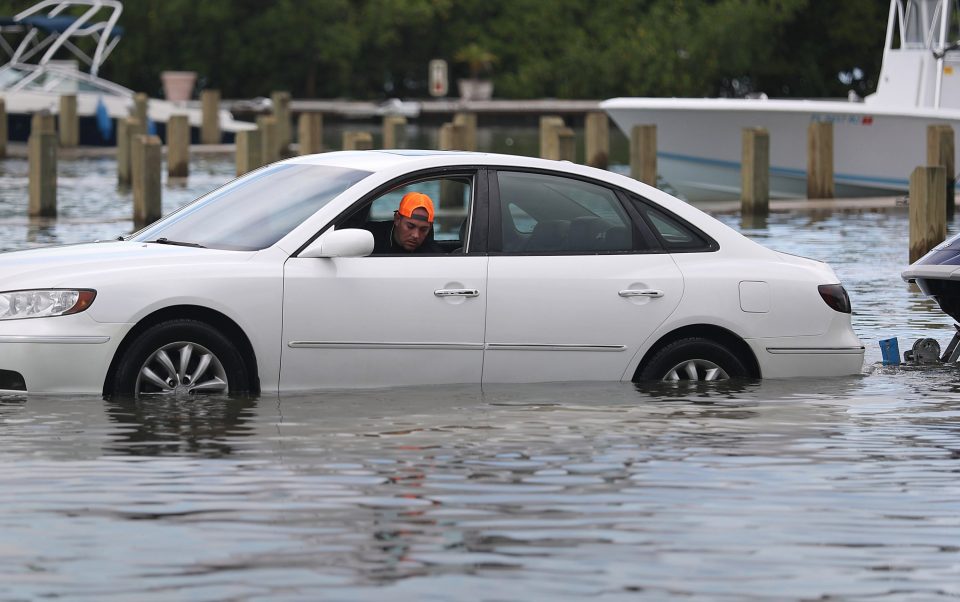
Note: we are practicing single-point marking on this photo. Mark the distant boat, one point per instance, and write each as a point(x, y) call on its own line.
point(34, 80)
point(877, 142)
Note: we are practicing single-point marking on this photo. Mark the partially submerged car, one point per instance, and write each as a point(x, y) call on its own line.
point(544, 271)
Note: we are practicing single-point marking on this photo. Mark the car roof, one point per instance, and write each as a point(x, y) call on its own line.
point(387, 160)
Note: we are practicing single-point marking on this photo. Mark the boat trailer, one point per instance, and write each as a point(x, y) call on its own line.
point(924, 351)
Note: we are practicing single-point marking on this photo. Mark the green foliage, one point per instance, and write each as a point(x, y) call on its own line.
point(476, 57)
point(557, 48)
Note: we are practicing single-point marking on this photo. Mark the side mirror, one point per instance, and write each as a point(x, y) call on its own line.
point(351, 242)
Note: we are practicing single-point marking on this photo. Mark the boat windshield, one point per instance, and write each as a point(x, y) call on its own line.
point(921, 21)
point(54, 79)
point(9, 77)
point(254, 212)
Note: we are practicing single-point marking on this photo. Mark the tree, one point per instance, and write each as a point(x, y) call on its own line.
point(562, 48)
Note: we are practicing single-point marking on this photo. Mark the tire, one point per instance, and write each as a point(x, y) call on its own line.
point(157, 356)
point(693, 359)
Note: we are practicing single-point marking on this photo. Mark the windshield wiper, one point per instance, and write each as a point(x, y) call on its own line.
point(166, 241)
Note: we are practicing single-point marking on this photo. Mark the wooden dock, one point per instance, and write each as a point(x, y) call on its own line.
point(848, 205)
point(443, 108)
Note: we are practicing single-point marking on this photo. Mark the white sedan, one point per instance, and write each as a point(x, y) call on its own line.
point(538, 271)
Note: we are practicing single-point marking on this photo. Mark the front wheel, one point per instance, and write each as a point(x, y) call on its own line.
point(693, 359)
point(180, 358)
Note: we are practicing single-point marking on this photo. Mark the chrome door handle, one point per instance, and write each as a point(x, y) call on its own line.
point(457, 292)
point(630, 292)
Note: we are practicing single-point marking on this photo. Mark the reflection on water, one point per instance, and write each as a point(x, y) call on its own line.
point(810, 489)
point(159, 426)
point(756, 490)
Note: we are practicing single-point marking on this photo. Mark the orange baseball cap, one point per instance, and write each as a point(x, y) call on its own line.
point(415, 200)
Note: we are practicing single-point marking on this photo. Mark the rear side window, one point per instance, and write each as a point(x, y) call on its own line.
point(546, 214)
point(675, 234)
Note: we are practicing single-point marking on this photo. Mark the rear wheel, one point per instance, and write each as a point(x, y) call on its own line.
point(181, 358)
point(694, 359)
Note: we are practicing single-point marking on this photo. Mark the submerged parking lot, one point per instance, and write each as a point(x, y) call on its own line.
point(769, 490)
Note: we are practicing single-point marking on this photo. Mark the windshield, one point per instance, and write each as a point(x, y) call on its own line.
point(256, 211)
point(9, 77)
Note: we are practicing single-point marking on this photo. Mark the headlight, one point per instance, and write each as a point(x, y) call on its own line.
point(15, 305)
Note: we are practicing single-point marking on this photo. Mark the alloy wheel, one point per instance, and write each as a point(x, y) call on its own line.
point(696, 369)
point(181, 369)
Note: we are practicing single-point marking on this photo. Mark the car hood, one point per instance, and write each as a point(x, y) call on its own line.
point(78, 265)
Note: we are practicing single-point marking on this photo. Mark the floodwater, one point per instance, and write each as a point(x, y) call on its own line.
point(828, 489)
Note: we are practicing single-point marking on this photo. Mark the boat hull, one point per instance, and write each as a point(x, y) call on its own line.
point(945, 292)
point(699, 142)
point(21, 105)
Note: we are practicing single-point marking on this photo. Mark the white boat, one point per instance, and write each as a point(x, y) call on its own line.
point(36, 76)
point(877, 141)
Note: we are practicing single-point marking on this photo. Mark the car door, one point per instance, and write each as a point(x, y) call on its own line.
point(575, 284)
point(387, 320)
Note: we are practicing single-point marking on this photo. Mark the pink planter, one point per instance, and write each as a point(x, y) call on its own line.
point(178, 85)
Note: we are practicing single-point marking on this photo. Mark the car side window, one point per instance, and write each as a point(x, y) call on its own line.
point(546, 214)
point(675, 235)
point(452, 197)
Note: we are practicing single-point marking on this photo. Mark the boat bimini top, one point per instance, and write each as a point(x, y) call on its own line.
point(33, 37)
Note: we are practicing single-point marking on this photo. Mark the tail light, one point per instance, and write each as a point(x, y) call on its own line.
point(836, 297)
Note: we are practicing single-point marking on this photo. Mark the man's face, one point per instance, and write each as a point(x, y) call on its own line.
point(410, 233)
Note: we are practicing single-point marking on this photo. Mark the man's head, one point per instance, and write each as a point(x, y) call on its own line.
point(412, 220)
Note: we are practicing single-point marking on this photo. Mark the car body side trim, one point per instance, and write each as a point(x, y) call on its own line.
point(459, 346)
point(818, 350)
point(58, 339)
point(362, 345)
point(548, 347)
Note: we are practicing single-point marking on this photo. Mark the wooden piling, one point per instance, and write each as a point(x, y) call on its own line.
point(394, 131)
point(4, 135)
point(566, 145)
point(820, 160)
point(357, 141)
point(210, 126)
point(928, 226)
point(43, 121)
point(281, 110)
point(127, 129)
point(310, 133)
point(755, 172)
point(42, 176)
point(248, 151)
point(178, 146)
point(123, 152)
point(269, 150)
point(643, 154)
point(69, 122)
point(597, 139)
point(451, 194)
point(549, 143)
point(469, 134)
point(140, 100)
point(147, 164)
point(940, 151)
point(452, 136)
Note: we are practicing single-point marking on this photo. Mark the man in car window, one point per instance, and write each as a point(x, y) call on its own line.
point(410, 230)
